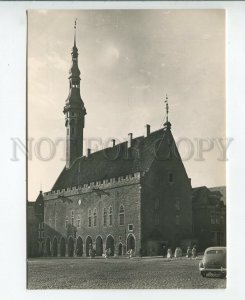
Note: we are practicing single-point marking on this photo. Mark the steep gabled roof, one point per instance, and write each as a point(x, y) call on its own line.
point(116, 161)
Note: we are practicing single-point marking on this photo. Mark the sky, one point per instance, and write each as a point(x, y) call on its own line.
point(129, 60)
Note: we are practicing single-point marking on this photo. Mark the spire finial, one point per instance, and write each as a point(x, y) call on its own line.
point(167, 107)
point(75, 29)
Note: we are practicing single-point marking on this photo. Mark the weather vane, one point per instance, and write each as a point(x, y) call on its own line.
point(167, 107)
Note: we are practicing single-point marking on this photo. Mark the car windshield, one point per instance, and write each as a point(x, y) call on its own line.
point(215, 252)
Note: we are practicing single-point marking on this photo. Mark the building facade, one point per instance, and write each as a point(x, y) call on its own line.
point(209, 216)
point(133, 195)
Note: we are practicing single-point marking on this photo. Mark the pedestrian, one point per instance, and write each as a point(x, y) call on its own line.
point(178, 252)
point(106, 253)
point(169, 254)
point(130, 253)
point(163, 251)
point(194, 251)
point(188, 252)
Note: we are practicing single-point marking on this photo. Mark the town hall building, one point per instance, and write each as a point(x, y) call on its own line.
point(132, 195)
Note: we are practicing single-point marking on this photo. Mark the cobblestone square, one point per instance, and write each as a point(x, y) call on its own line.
point(114, 273)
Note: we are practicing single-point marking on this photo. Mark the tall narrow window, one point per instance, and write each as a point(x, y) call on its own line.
point(212, 219)
point(72, 218)
point(50, 221)
point(66, 222)
point(89, 218)
point(78, 222)
point(105, 217)
point(121, 215)
point(95, 217)
point(157, 203)
point(156, 211)
point(110, 216)
point(55, 220)
point(177, 220)
point(72, 130)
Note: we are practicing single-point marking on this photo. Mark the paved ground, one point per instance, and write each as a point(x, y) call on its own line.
point(136, 273)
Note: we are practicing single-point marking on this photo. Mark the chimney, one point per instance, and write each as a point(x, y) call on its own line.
point(148, 129)
point(113, 142)
point(130, 137)
point(88, 152)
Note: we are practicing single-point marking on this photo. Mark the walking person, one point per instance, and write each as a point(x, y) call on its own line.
point(169, 254)
point(194, 252)
point(188, 252)
point(164, 251)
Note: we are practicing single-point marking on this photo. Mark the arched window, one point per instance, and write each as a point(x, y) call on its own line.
point(78, 221)
point(66, 222)
point(95, 217)
point(72, 218)
point(105, 217)
point(89, 218)
point(110, 216)
point(121, 215)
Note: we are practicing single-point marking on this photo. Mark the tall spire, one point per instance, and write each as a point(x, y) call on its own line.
point(74, 110)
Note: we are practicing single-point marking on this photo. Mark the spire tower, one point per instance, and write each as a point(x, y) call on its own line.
point(74, 110)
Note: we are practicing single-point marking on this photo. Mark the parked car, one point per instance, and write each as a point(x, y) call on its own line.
point(214, 261)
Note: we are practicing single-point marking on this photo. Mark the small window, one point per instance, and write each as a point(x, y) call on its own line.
point(170, 177)
point(72, 114)
point(110, 216)
point(177, 205)
point(130, 227)
point(156, 218)
point(66, 222)
point(89, 218)
point(177, 220)
point(217, 219)
point(121, 215)
point(212, 219)
point(39, 234)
